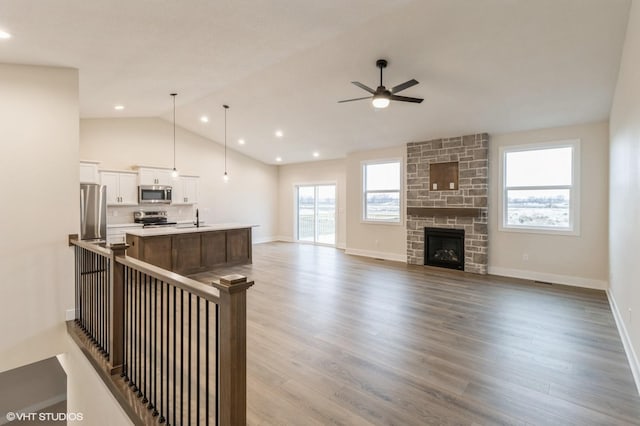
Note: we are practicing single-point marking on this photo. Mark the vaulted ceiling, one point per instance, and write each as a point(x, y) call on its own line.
point(483, 65)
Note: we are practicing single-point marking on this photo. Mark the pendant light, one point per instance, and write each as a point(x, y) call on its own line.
point(225, 177)
point(174, 173)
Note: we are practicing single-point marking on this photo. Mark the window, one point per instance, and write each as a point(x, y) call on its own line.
point(540, 188)
point(381, 191)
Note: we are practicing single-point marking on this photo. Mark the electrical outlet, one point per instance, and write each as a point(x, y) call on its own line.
point(376, 243)
point(525, 257)
point(452, 185)
point(434, 186)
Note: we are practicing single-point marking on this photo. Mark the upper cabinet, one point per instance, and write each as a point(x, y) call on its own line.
point(89, 172)
point(150, 176)
point(122, 187)
point(185, 190)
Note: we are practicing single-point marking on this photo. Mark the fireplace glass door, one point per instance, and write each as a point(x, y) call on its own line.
point(444, 248)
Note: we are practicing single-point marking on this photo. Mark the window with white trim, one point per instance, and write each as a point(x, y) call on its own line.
point(381, 183)
point(541, 187)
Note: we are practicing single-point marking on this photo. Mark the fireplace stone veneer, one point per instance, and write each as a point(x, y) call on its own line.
point(472, 154)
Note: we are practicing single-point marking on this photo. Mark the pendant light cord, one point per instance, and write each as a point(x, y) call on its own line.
point(173, 95)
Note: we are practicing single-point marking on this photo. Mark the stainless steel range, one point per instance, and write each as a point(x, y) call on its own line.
point(152, 219)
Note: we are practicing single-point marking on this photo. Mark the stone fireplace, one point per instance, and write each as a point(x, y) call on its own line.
point(447, 188)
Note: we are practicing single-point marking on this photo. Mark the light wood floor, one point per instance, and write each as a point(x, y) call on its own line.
point(338, 339)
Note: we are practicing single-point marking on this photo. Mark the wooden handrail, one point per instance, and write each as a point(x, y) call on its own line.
point(92, 247)
point(192, 286)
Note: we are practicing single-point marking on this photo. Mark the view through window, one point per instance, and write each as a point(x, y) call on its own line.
point(539, 187)
point(381, 198)
point(316, 211)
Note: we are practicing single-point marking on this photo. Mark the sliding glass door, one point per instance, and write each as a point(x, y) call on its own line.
point(316, 214)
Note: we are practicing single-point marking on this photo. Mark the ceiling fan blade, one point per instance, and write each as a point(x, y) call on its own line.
point(363, 87)
point(406, 99)
point(356, 99)
point(404, 85)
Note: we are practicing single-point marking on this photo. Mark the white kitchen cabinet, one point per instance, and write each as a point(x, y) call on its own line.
point(89, 172)
point(150, 176)
point(185, 190)
point(122, 187)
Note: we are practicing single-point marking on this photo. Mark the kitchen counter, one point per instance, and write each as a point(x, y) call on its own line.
point(188, 250)
point(186, 229)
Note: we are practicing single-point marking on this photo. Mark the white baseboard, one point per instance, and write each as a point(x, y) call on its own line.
point(377, 254)
point(70, 314)
point(626, 341)
point(341, 245)
point(549, 278)
point(283, 238)
point(262, 240)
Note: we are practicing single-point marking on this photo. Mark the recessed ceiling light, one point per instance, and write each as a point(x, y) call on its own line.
point(241, 141)
point(316, 154)
point(4, 35)
point(118, 107)
point(204, 119)
point(279, 159)
point(279, 133)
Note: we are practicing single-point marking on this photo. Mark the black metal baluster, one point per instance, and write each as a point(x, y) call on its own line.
point(181, 355)
point(100, 301)
point(108, 316)
point(125, 301)
point(175, 331)
point(206, 361)
point(198, 359)
point(217, 364)
point(132, 375)
point(145, 353)
point(161, 410)
point(154, 340)
point(167, 410)
point(189, 372)
point(136, 335)
point(139, 330)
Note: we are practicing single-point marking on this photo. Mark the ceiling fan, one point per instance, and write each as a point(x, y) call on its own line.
point(382, 96)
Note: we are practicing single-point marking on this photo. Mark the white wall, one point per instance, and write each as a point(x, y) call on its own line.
point(320, 172)
point(249, 197)
point(624, 205)
point(86, 393)
point(575, 260)
point(39, 124)
point(367, 239)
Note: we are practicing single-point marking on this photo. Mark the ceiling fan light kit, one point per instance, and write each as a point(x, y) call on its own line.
point(381, 97)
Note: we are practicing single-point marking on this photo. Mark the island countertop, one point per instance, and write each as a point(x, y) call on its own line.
point(182, 229)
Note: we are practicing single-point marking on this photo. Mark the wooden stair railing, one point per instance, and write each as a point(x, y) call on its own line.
point(172, 350)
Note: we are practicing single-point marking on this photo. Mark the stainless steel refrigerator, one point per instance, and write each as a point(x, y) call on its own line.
point(93, 212)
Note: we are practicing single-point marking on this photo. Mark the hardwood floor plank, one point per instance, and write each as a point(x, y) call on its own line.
point(338, 339)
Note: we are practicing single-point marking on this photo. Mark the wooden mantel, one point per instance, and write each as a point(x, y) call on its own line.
point(444, 211)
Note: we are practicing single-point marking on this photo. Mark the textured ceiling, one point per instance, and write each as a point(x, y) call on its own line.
point(483, 65)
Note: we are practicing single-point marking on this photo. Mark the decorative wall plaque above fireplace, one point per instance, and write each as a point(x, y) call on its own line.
point(444, 248)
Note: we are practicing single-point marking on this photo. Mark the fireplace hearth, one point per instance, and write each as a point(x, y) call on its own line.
point(444, 248)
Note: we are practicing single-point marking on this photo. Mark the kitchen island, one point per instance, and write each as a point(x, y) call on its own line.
point(188, 250)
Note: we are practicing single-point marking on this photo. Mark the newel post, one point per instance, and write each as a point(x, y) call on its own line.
point(232, 356)
point(116, 333)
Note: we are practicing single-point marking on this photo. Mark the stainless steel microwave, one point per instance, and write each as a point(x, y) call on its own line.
point(154, 194)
